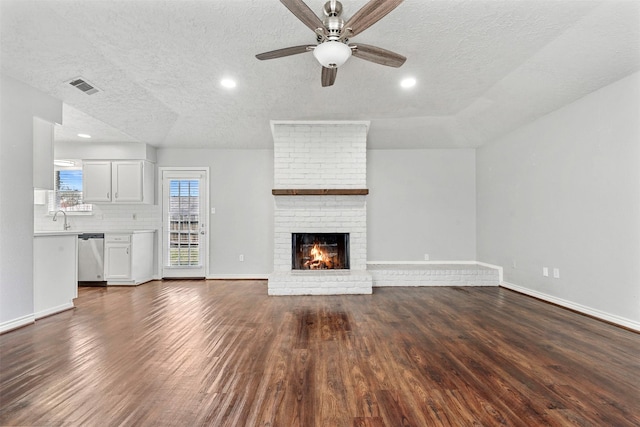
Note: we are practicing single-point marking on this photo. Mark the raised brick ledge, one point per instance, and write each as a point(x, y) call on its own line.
point(431, 274)
point(374, 265)
point(320, 192)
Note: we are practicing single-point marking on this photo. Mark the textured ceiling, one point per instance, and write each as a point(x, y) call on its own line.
point(483, 67)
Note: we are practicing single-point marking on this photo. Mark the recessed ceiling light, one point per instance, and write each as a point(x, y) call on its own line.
point(228, 83)
point(84, 135)
point(408, 82)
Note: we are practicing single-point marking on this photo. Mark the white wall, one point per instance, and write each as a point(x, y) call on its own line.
point(19, 103)
point(421, 202)
point(564, 192)
point(240, 191)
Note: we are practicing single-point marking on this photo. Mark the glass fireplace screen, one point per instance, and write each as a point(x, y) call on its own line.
point(320, 251)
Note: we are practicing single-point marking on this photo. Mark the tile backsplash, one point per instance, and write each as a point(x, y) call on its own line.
point(104, 217)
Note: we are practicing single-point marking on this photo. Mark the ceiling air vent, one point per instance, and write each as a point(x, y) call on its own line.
point(84, 86)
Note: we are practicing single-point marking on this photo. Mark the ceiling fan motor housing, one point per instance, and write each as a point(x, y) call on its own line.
point(332, 21)
point(332, 8)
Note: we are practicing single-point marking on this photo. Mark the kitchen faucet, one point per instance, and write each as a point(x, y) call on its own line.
point(66, 226)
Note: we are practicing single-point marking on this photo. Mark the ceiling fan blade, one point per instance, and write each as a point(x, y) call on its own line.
point(287, 51)
point(369, 14)
point(328, 76)
point(377, 55)
point(304, 13)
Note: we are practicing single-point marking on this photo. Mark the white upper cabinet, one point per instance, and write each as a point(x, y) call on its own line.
point(96, 182)
point(127, 181)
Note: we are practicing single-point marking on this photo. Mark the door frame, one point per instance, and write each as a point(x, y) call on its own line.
point(206, 216)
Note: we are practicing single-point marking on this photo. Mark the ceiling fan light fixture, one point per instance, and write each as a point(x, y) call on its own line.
point(332, 54)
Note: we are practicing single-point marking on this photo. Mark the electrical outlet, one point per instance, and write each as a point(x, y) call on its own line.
point(545, 271)
point(241, 258)
point(556, 273)
point(213, 211)
point(426, 257)
point(513, 264)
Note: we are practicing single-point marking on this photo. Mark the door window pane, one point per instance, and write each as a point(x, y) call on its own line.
point(184, 222)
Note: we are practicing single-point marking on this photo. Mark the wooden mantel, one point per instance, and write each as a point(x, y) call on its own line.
point(320, 192)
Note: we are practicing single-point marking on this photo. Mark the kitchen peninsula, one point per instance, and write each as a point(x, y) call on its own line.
point(55, 271)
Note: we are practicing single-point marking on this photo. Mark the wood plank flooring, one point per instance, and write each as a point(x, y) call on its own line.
point(187, 353)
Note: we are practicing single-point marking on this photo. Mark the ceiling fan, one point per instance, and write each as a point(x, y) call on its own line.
point(333, 34)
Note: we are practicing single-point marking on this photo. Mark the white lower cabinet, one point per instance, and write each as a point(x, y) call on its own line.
point(118, 260)
point(128, 258)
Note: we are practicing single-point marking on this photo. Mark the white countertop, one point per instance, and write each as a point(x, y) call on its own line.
point(76, 232)
point(126, 231)
point(55, 233)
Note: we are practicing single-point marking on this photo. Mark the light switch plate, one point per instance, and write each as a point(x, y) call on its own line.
point(556, 273)
point(545, 271)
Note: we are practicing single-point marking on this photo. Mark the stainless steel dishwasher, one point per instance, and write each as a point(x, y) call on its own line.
point(91, 257)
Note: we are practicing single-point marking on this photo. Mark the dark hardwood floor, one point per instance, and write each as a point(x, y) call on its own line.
point(186, 353)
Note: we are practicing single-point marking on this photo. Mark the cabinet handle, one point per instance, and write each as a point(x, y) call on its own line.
point(108, 195)
point(127, 251)
point(116, 195)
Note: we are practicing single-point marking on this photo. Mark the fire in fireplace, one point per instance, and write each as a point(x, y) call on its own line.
point(320, 251)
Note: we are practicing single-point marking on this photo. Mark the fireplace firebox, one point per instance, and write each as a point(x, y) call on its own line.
point(320, 251)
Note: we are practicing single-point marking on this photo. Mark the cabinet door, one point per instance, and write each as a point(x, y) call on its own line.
point(127, 182)
point(117, 261)
point(96, 182)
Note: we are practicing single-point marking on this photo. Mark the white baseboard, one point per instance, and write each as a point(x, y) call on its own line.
point(420, 262)
point(53, 310)
point(257, 276)
point(10, 325)
point(612, 318)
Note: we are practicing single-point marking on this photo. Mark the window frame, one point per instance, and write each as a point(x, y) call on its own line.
point(53, 195)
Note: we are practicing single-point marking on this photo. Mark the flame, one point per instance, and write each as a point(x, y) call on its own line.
point(318, 259)
point(318, 255)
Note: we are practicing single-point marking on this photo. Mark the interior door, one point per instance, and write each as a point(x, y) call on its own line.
point(185, 232)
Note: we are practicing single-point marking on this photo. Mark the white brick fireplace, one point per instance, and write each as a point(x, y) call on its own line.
point(320, 180)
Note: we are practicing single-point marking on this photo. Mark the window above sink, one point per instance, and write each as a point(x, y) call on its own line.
point(67, 194)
